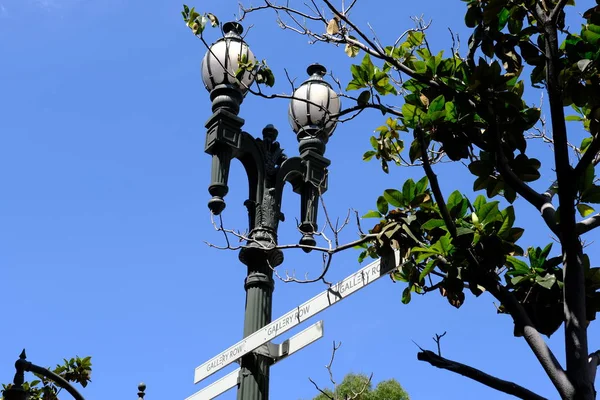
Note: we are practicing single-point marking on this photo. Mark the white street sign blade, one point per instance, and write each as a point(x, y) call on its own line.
point(229, 381)
point(320, 302)
point(218, 387)
point(302, 339)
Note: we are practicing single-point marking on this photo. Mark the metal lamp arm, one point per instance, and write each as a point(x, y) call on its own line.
point(59, 380)
point(16, 392)
point(293, 171)
point(253, 161)
point(301, 173)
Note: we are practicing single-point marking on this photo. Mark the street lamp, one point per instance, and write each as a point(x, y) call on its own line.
point(267, 169)
point(17, 392)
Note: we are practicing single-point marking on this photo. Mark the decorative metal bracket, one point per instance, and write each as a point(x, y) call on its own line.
point(274, 351)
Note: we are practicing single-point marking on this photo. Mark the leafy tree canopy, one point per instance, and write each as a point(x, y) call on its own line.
point(469, 108)
point(359, 387)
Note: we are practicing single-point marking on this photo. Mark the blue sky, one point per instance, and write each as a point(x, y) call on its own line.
point(104, 214)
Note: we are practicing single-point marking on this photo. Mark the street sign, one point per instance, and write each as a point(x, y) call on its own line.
point(277, 351)
point(320, 302)
point(218, 387)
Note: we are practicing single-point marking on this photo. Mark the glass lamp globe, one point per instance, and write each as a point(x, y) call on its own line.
point(313, 104)
point(221, 61)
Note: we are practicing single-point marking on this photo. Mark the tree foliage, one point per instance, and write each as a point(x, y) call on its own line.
point(359, 387)
point(470, 109)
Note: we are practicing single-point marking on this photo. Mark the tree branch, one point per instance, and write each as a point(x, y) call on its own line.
point(477, 375)
point(538, 200)
point(523, 189)
point(588, 224)
point(435, 186)
point(533, 338)
point(588, 158)
point(556, 11)
point(593, 364)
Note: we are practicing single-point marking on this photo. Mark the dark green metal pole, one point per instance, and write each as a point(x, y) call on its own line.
point(262, 159)
point(261, 258)
point(254, 374)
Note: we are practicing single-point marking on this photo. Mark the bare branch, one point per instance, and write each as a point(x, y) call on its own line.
point(437, 340)
point(477, 375)
point(321, 390)
point(328, 366)
point(333, 247)
point(274, 6)
point(355, 395)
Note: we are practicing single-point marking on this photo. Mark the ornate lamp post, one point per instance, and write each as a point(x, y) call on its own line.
point(267, 169)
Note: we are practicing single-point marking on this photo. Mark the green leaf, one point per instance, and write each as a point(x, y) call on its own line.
point(586, 181)
point(372, 214)
point(443, 246)
point(436, 105)
point(585, 143)
point(481, 168)
point(479, 202)
point(415, 38)
point(368, 67)
point(368, 155)
point(584, 209)
point(503, 18)
point(394, 197)
point(451, 113)
point(382, 205)
point(454, 199)
point(430, 266)
point(433, 223)
point(413, 115)
point(488, 212)
point(473, 15)
point(517, 279)
point(364, 98)
point(355, 85)
point(591, 195)
point(591, 34)
point(508, 216)
point(415, 151)
point(515, 234)
point(510, 194)
point(517, 264)
point(374, 142)
point(547, 281)
point(461, 230)
point(545, 251)
point(408, 190)
point(457, 204)
point(421, 186)
point(406, 295)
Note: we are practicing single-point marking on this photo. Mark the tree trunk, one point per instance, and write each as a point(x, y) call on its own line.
point(574, 280)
